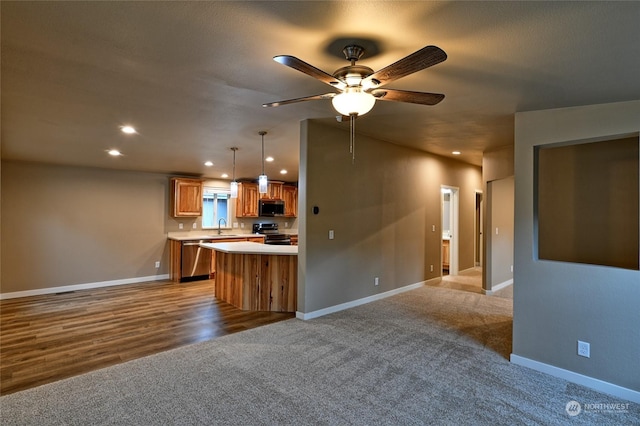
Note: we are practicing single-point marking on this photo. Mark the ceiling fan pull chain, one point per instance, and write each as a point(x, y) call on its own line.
point(352, 137)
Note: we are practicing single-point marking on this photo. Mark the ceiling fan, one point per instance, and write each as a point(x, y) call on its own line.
point(359, 86)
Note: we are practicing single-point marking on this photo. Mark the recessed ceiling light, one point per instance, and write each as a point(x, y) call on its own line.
point(224, 175)
point(208, 163)
point(283, 172)
point(456, 152)
point(114, 152)
point(269, 159)
point(128, 130)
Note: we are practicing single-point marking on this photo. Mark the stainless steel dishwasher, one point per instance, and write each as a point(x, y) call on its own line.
point(196, 261)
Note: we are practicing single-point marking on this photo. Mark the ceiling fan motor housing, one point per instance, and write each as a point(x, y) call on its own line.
point(353, 74)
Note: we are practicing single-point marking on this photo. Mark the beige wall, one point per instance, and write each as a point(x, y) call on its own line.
point(556, 304)
point(499, 232)
point(66, 225)
point(497, 169)
point(381, 209)
point(588, 203)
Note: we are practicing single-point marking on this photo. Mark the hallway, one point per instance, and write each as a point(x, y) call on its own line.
point(470, 280)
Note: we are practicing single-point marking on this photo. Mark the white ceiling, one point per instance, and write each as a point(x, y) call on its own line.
point(192, 76)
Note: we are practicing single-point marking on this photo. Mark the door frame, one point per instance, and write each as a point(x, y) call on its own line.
point(479, 228)
point(454, 244)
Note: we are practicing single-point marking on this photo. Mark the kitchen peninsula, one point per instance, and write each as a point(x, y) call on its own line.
point(256, 277)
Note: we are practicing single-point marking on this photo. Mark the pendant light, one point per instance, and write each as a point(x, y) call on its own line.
point(262, 179)
point(234, 185)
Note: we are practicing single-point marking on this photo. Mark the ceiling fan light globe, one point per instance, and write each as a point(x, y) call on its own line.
point(353, 101)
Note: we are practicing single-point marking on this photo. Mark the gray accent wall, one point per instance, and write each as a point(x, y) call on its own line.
point(558, 303)
point(382, 209)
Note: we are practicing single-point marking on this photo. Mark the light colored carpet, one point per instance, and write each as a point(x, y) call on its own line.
point(428, 356)
point(470, 280)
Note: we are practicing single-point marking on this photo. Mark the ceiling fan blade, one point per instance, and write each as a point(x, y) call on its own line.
point(423, 58)
point(307, 98)
point(310, 70)
point(421, 98)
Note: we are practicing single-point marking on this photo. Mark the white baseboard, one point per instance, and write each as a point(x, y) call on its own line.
point(364, 300)
point(85, 286)
point(498, 287)
point(580, 379)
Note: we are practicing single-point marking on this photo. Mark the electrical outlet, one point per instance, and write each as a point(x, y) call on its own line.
point(286, 224)
point(235, 224)
point(195, 225)
point(433, 228)
point(376, 281)
point(331, 234)
point(180, 226)
point(242, 225)
point(584, 349)
point(157, 264)
point(496, 231)
point(431, 268)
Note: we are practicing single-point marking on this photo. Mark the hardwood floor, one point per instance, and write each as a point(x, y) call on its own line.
point(51, 337)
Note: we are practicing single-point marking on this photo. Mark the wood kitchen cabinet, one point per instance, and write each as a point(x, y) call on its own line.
point(445, 255)
point(247, 201)
point(186, 197)
point(274, 191)
point(290, 197)
point(212, 273)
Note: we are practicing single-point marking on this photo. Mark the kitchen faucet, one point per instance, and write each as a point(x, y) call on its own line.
point(225, 224)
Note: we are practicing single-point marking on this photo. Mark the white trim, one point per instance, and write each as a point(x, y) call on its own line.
point(364, 300)
point(590, 382)
point(86, 286)
point(497, 287)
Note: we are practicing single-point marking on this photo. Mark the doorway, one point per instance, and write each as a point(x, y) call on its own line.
point(450, 213)
point(478, 239)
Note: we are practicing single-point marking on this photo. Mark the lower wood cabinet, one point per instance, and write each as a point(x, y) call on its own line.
point(257, 282)
point(445, 254)
point(212, 273)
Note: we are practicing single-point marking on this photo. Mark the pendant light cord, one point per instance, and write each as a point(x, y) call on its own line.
point(262, 134)
point(234, 163)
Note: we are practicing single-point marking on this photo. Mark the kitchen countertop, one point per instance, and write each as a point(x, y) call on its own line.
point(246, 247)
point(205, 236)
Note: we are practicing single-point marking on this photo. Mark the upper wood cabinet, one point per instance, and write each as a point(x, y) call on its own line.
point(247, 201)
point(186, 197)
point(274, 191)
point(290, 197)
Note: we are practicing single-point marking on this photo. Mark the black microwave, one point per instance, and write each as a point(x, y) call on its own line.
point(271, 208)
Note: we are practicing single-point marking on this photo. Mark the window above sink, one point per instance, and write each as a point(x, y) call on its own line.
point(216, 208)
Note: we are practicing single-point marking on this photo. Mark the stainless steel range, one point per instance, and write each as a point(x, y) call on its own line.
point(271, 234)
